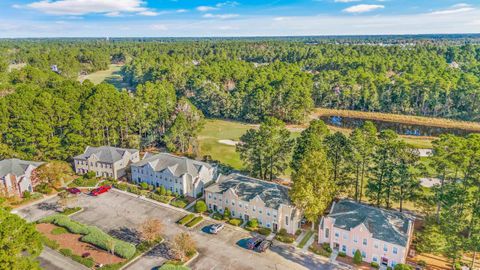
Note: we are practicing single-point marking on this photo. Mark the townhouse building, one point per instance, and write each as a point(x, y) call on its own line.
point(105, 161)
point(249, 198)
point(180, 175)
point(16, 176)
point(382, 236)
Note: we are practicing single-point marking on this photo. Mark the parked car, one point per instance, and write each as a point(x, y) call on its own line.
point(254, 242)
point(74, 191)
point(264, 245)
point(100, 190)
point(215, 228)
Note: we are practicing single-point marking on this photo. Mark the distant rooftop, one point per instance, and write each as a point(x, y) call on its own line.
point(106, 154)
point(177, 165)
point(16, 166)
point(248, 188)
point(385, 225)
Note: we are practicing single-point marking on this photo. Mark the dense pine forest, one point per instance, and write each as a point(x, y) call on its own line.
point(175, 83)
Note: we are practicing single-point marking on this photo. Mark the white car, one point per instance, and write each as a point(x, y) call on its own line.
point(215, 228)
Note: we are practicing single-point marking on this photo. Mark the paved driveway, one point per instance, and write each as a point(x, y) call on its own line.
point(120, 214)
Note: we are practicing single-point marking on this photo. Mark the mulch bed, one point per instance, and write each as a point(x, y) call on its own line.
point(349, 261)
point(72, 241)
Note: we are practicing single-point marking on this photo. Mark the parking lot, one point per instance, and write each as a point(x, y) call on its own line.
point(121, 214)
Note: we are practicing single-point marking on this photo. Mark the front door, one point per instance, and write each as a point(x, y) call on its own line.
point(275, 227)
point(246, 217)
point(336, 246)
point(384, 261)
point(214, 208)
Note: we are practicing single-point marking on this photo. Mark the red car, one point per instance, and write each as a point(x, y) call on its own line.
point(100, 190)
point(74, 191)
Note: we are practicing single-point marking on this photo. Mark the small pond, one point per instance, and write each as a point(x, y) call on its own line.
point(400, 128)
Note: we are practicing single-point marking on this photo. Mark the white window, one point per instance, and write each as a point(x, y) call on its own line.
point(345, 236)
point(337, 234)
point(364, 241)
point(355, 240)
point(385, 248)
point(395, 251)
point(209, 196)
point(375, 245)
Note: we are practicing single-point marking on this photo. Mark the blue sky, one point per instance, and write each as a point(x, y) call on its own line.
point(135, 18)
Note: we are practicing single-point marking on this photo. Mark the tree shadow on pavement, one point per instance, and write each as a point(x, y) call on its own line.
point(126, 234)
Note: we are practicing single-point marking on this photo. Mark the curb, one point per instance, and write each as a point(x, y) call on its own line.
point(46, 198)
point(139, 256)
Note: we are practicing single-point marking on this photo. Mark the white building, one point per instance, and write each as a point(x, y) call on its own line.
point(180, 175)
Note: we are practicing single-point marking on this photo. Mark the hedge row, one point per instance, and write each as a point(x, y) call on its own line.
point(102, 240)
point(159, 198)
point(92, 235)
point(194, 221)
point(186, 219)
point(235, 221)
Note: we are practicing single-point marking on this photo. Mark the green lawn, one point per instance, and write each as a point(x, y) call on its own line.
point(305, 239)
point(216, 130)
point(111, 75)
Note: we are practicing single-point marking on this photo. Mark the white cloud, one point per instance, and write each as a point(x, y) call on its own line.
point(83, 7)
point(148, 13)
point(458, 8)
point(181, 10)
point(220, 16)
point(227, 4)
point(205, 8)
point(362, 8)
point(346, 1)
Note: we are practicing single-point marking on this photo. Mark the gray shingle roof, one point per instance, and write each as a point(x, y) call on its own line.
point(178, 165)
point(385, 225)
point(16, 166)
point(107, 154)
point(248, 188)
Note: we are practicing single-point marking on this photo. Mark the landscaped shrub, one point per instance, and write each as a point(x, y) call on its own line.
point(264, 231)
point(402, 266)
point(180, 203)
point(194, 221)
point(43, 188)
point(88, 262)
point(357, 257)
point(298, 232)
point(49, 242)
point(121, 186)
point(235, 221)
point(200, 206)
point(319, 250)
point(144, 185)
point(327, 247)
point(71, 210)
point(92, 235)
point(169, 192)
point(285, 238)
point(59, 230)
point(217, 216)
point(253, 223)
point(226, 213)
point(100, 239)
point(161, 190)
point(342, 254)
point(27, 194)
point(374, 265)
point(186, 219)
point(159, 198)
point(66, 222)
point(66, 252)
point(169, 266)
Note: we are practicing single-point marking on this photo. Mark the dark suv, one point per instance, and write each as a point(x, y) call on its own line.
point(254, 242)
point(264, 245)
